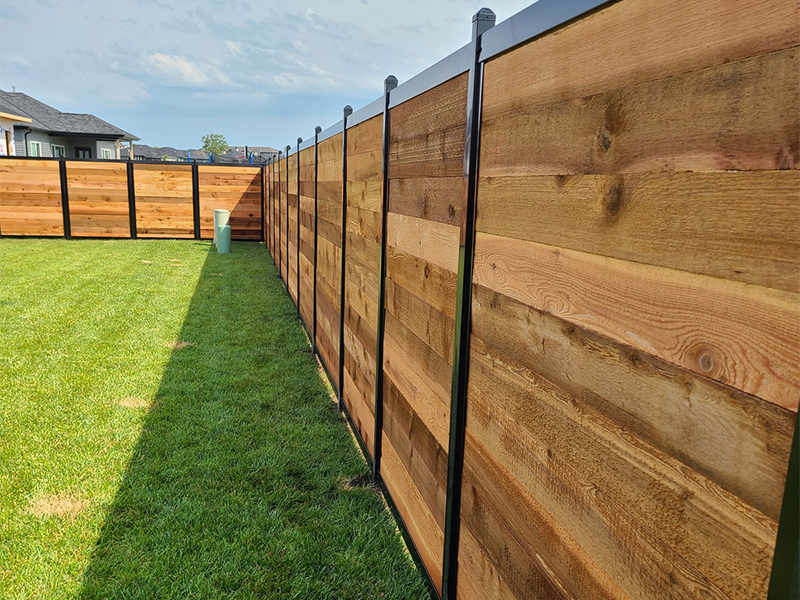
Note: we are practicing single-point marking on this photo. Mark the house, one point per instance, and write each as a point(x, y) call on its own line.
point(165, 153)
point(9, 116)
point(52, 133)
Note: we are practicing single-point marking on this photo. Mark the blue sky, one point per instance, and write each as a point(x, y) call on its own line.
point(259, 72)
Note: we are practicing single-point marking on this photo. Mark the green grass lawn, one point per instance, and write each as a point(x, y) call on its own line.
point(164, 433)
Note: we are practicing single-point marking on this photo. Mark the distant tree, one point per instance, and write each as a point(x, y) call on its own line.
point(215, 142)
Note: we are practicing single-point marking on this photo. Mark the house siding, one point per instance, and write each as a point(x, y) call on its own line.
point(33, 136)
point(107, 144)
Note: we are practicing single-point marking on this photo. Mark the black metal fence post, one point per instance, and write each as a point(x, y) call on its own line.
point(483, 20)
point(347, 111)
point(297, 247)
point(785, 579)
point(131, 200)
point(317, 131)
point(388, 85)
point(62, 172)
point(196, 199)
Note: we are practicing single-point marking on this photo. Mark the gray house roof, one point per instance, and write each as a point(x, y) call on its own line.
point(47, 118)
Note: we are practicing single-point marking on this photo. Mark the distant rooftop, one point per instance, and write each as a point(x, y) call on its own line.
point(47, 118)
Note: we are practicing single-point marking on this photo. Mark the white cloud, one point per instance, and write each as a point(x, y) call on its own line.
point(178, 66)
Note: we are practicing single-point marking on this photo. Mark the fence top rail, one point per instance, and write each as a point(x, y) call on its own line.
point(163, 163)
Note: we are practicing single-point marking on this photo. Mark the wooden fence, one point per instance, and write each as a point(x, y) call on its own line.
point(587, 359)
point(114, 199)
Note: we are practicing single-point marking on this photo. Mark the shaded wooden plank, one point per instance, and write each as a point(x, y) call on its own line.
point(431, 198)
point(738, 441)
point(647, 508)
point(431, 283)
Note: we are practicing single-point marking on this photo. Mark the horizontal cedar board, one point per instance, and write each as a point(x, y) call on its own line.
point(668, 523)
point(420, 523)
point(427, 136)
point(738, 441)
point(641, 41)
point(421, 376)
point(361, 398)
point(98, 199)
point(437, 243)
point(330, 149)
point(364, 194)
point(744, 336)
point(357, 299)
point(164, 201)
point(365, 166)
point(431, 198)
point(30, 198)
point(365, 137)
point(360, 329)
point(431, 283)
point(743, 115)
point(364, 223)
point(361, 264)
point(424, 458)
point(734, 225)
point(431, 325)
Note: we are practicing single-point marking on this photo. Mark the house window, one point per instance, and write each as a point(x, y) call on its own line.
point(58, 151)
point(105, 153)
point(83, 153)
point(36, 148)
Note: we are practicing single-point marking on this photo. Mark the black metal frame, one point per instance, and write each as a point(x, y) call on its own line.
point(62, 173)
point(131, 201)
point(347, 111)
point(389, 84)
point(483, 20)
point(120, 161)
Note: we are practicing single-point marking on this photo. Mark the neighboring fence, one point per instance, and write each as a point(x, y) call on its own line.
point(114, 199)
point(604, 406)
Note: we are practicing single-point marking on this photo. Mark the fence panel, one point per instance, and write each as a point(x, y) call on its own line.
point(635, 333)
point(329, 244)
point(30, 198)
point(422, 241)
point(362, 267)
point(98, 199)
point(237, 189)
point(163, 201)
point(306, 205)
point(292, 233)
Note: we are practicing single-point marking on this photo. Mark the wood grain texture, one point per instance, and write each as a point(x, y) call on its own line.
point(741, 225)
point(98, 199)
point(641, 41)
point(30, 198)
point(744, 336)
point(329, 235)
point(362, 260)
point(613, 494)
point(744, 115)
point(237, 189)
point(427, 135)
point(164, 201)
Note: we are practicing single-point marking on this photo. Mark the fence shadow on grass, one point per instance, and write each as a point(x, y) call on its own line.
point(239, 484)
